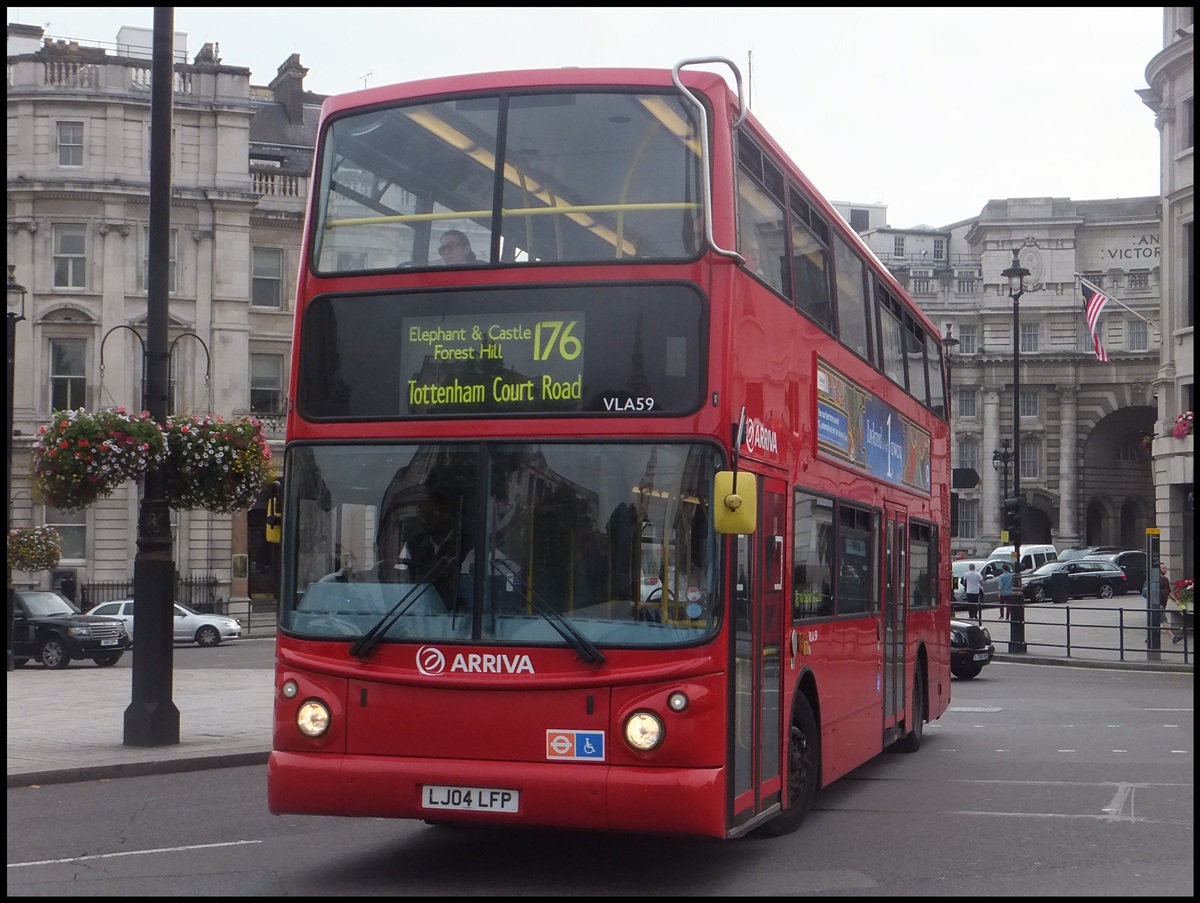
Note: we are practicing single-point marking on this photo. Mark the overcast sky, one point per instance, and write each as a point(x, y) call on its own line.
point(930, 111)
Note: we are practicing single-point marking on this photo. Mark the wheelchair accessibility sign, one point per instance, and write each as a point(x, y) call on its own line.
point(577, 746)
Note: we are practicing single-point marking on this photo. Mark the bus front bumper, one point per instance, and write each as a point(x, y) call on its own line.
point(637, 799)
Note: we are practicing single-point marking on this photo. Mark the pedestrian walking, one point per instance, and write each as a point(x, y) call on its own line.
point(1006, 592)
point(972, 583)
point(1172, 619)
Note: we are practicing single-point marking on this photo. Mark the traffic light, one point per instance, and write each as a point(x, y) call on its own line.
point(1012, 520)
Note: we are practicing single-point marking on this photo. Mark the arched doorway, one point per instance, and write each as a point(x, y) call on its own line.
point(1115, 481)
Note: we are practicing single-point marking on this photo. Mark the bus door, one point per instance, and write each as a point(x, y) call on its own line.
point(759, 571)
point(895, 571)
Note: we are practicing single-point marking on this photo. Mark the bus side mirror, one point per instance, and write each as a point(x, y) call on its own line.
point(735, 512)
point(274, 521)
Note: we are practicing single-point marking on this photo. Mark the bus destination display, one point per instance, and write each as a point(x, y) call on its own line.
point(497, 362)
point(506, 351)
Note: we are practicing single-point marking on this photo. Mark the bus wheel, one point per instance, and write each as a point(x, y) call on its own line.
point(911, 741)
point(803, 770)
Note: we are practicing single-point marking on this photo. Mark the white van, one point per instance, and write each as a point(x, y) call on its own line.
point(1033, 556)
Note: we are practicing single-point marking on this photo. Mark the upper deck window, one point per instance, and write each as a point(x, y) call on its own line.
point(521, 179)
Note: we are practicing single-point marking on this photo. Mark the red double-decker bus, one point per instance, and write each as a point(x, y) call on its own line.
point(616, 487)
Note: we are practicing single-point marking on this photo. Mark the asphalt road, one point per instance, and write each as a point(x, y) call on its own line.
point(1039, 780)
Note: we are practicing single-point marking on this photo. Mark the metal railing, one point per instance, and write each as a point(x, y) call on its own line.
point(1103, 631)
point(196, 591)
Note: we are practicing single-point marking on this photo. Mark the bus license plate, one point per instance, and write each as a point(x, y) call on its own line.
point(108, 642)
point(473, 799)
point(981, 656)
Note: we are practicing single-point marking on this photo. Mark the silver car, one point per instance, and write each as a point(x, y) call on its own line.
point(989, 590)
point(189, 627)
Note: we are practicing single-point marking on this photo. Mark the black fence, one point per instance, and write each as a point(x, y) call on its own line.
point(196, 591)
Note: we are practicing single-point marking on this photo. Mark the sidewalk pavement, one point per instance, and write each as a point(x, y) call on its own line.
point(66, 726)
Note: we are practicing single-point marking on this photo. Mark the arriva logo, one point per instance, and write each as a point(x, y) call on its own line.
point(431, 660)
point(761, 437)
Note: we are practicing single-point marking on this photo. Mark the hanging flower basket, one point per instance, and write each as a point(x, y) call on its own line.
point(1183, 426)
point(217, 464)
point(82, 456)
point(33, 548)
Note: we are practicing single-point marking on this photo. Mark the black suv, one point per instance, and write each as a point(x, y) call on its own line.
point(48, 627)
point(1131, 561)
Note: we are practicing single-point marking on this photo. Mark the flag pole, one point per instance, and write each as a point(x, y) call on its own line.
point(1116, 301)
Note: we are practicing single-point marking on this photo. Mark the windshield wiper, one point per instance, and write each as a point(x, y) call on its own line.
point(583, 647)
point(365, 644)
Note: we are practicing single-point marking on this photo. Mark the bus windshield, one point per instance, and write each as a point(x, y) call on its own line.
point(502, 542)
point(511, 179)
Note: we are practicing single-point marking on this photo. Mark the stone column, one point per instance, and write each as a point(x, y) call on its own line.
point(989, 507)
point(1068, 467)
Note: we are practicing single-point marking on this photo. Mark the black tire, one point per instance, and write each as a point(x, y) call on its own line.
point(53, 653)
point(911, 741)
point(1038, 594)
point(20, 662)
point(107, 660)
point(1106, 591)
point(208, 636)
point(966, 672)
point(803, 770)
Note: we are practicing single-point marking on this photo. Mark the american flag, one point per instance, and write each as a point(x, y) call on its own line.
point(1093, 303)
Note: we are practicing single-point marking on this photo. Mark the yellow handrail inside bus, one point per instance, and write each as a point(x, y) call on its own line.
point(515, 211)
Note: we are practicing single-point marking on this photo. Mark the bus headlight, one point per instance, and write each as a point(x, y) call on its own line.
point(313, 718)
point(643, 731)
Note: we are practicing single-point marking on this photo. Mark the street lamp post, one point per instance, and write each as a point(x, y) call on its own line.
point(1015, 275)
point(16, 313)
point(1001, 458)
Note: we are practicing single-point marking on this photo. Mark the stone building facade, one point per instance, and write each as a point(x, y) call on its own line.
point(1085, 472)
point(1171, 97)
point(77, 211)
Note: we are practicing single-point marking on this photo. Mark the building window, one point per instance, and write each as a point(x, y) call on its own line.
point(968, 518)
point(1139, 280)
point(266, 384)
point(1127, 453)
point(1029, 337)
point(70, 259)
point(172, 253)
point(968, 339)
point(1136, 335)
point(898, 245)
point(1029, 403)
point(966, 403)
point(860, 220)
point(72, 528)
point(70, 144)
point(68, 374)
point(939, 249)
point(1030, 458)
point(267, 288)
point(968, 453)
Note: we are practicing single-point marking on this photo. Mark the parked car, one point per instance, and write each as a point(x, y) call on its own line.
point(1084, 577)
point(49, 627)
point(189, 627)
point(1085, 551)
point(970, 648)
point(989, 590)
point(1131, 561)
